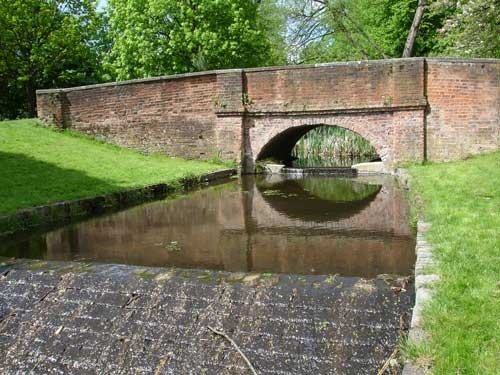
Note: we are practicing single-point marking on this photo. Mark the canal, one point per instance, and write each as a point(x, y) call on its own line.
point(266, 223)
point(308, 274)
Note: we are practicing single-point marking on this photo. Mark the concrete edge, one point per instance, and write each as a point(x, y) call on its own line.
point(272, 68)
point(371, 168)
point(64, 212)
point(423, 284)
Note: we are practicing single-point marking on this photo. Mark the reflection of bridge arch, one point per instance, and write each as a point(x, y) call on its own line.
point(308, 199)
point(385, 212)
point(376, 238)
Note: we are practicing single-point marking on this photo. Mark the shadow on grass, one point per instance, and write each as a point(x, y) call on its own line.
point(27, 182)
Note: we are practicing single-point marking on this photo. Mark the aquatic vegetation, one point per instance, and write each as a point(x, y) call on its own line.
point(338, 190)
point(332, 146)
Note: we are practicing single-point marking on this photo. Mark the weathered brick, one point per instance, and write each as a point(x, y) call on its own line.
point(409, 109)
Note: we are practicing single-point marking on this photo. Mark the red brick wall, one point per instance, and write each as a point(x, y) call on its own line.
point(405, 107)
point(464, 108)
point(374, 84)
point(174, 116)
point(381, 100)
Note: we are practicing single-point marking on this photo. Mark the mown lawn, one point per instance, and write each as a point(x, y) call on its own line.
point(40, 165)
point(462, 202)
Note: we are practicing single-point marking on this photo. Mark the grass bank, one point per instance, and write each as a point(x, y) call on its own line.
point(462, 202)
point(39, 165)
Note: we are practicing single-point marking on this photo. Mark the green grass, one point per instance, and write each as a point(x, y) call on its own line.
point(462, 202)
point(39, 165)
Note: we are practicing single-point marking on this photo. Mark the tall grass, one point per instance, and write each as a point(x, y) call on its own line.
point(333, 142)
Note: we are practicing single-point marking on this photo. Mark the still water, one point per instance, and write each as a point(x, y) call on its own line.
point(301, 225)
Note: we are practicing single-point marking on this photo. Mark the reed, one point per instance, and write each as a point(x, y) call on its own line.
point(333, 142)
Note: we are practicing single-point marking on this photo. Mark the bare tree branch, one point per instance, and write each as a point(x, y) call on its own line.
point(309, 24)
point(220, 333)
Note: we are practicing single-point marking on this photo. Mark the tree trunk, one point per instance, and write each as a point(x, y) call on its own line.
point(31, 99)
point(410, 41)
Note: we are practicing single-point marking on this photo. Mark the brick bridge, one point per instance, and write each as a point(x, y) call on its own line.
point(408, 109)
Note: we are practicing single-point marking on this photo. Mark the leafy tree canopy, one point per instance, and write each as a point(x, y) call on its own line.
point(43, 44)
point(471, 29)
point(366, 29)
point(155, 37)
point(329, 30)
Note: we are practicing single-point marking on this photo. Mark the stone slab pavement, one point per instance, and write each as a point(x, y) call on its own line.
point(77, 318)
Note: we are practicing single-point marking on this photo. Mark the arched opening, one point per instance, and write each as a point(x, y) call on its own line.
point(318, 146)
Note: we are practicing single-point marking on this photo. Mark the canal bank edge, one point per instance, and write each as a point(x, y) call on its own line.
point(66, 211)
point(423, 284)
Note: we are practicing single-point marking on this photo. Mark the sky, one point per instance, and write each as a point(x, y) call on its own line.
point(101, 4)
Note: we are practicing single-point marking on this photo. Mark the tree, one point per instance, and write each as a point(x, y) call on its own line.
point(340, 30)
point(361, 29)
point(412, 35)
point(155, 37)
point(44, 44)
point(471, 28)
point(273, 20)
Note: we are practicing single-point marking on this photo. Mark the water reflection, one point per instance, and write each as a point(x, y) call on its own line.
point(315, 197)
point(307, 225)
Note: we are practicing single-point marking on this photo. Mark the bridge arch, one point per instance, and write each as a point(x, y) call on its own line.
point(275, 137)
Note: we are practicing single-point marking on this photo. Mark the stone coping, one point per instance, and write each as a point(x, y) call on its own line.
point(423, 294)
point(67, 211)
point(424, 280)
point(269, 68)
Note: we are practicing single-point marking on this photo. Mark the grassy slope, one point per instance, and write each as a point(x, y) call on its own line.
point(39, 165)
point(462, 201)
